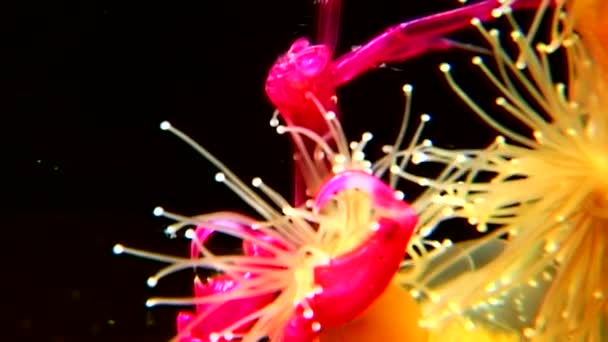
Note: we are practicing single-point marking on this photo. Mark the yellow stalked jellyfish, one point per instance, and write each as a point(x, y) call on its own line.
point(541, 191)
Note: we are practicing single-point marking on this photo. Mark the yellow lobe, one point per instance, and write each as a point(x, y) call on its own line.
point(589, 18)
point(392, 317)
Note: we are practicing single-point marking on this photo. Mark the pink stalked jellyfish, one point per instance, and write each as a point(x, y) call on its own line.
point(302, 268)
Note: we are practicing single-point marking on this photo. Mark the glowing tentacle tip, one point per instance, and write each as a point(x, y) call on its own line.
point(256, 182)
point(308, 314)
point(170, 232)
point(118, 249)
point(220, 177)
point(274, 122)
point(152, 281)
point(165, 125)
point(445, 67)
point(407, 88)
point(190, 234)
point(158, 211)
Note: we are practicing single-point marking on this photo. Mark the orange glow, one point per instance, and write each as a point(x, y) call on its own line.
point(393, 317)
point(589, 17)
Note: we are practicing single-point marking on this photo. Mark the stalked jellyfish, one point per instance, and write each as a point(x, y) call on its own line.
point(322, 266)
point(302, 268)
point(540, 191)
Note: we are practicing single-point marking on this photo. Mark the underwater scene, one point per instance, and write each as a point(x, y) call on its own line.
point(305, 171)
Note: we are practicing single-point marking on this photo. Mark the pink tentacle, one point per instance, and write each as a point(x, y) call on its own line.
point(328, 23)
point(413, 38)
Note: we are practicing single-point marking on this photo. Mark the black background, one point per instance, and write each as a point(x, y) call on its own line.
point(83, 90)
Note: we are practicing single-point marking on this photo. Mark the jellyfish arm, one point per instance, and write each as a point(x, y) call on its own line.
point(413, 38)
point(309, 71)
point(328, 22)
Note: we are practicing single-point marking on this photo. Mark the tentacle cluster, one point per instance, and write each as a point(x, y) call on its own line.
point(543, 189)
